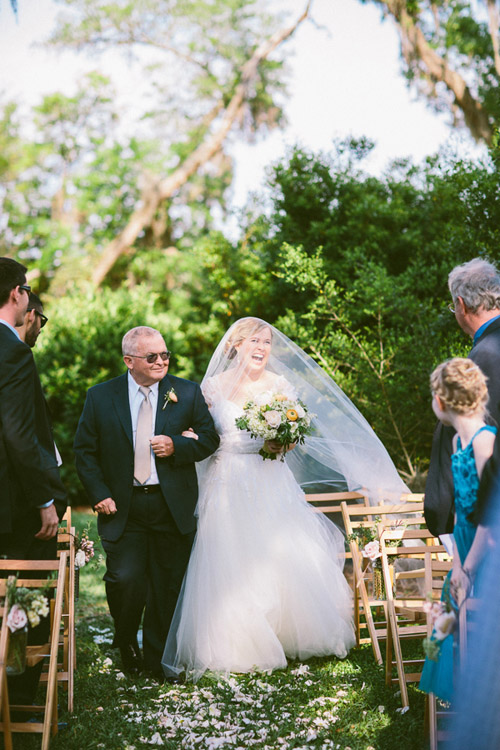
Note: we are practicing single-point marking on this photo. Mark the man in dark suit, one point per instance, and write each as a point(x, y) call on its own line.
point(475, 290)
point(32, 497)
point(135, 455)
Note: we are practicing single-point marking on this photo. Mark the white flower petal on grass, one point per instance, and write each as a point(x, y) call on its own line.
point(156, 739)
point(301, 670)
point(402, 710)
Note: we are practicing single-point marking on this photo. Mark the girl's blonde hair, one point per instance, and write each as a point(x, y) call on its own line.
point(461, 386)
point(242, 330)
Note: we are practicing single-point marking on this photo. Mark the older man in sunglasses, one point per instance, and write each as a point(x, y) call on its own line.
point(135, 455)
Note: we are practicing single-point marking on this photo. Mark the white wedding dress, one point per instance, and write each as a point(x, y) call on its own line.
point(265, 577)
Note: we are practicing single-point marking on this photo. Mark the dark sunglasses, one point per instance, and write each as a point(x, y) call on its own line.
point(151, 358)
point(43, 318)
point(25, 288)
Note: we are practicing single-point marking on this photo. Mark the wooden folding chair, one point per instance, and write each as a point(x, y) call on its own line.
point(330, 503)
point(355, 518)
point(66, 668)
point(27, 571)
point(4, 690)
point(405, 608)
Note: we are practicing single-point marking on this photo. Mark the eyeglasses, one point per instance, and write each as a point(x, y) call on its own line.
point(451, 308)
point(25, 288)
point(43, 318)
point(151, 358)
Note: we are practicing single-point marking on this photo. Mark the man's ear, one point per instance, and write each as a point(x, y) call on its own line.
point(128, 361)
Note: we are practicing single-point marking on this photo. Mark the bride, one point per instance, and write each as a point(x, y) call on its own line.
point(265, 579)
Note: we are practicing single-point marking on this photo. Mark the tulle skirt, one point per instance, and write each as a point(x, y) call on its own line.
point(265, 579)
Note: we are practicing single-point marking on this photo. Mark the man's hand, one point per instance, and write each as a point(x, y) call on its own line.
point(50, 522)
point(190, 434)
point(106, 507)
point(162, 446)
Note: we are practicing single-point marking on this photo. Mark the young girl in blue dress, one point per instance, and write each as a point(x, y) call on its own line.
point(459, 397)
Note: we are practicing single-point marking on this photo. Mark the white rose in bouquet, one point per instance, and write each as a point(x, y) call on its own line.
point(273, 418)
point(262, 399)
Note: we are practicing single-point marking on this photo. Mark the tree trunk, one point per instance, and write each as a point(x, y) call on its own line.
point(165, 188)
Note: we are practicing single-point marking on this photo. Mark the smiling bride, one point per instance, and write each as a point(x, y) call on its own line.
point(265, 579)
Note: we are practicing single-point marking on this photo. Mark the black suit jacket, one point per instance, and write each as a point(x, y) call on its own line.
point(105, 453)
point(29, 476)
point(439, 491)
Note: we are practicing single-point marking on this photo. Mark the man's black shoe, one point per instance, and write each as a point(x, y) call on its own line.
point(131, 659)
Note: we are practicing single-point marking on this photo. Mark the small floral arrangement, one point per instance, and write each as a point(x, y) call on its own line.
point(276, 416)
point(84, 548)
point(366, 537)
point(26, 606)
point(443, 620)
point(170, 396)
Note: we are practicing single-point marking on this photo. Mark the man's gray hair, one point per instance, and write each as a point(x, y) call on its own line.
point(477, 282)
point(129, 341)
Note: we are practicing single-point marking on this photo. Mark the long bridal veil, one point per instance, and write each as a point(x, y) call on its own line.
point(343, 452)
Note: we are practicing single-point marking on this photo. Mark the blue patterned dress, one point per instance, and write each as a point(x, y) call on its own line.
point(437, 676)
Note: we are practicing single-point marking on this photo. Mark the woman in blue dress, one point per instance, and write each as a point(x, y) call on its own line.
point(459, 400)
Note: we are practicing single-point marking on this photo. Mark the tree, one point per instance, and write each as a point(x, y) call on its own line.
point(220, 50)
point(451, 55)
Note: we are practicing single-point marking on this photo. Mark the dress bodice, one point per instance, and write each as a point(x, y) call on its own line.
point(465, 477)
point(225, 412)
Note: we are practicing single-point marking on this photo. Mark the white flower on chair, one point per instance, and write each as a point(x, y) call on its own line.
point(17, 618)
point(80, 559)
point(372, 550)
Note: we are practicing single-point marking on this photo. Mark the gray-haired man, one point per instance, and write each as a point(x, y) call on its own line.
point(475, 291)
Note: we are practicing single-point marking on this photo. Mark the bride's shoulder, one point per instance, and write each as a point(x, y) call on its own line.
point(210, 387)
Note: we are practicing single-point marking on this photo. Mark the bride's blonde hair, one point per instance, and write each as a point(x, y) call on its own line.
point(461, 386)
point(242, 330)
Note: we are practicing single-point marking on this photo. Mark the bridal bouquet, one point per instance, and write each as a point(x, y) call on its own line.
point(275, 416)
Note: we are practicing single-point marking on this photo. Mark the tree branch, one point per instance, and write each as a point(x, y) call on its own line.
point(166, 188)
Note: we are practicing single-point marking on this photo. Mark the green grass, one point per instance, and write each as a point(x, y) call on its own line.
point(326, 703)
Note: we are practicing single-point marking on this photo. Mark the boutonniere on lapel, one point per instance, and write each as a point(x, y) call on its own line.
point(171, 395)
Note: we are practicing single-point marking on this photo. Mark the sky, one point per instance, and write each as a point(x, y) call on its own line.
point(345, 80)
